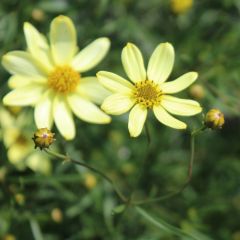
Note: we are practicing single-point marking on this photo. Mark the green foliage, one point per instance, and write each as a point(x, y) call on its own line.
point(206, 40)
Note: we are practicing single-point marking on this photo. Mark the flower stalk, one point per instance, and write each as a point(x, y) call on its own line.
point(189, 176)
point(68, 159)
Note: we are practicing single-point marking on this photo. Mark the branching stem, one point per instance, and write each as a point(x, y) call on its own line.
point(189, 176)
point(68, 159)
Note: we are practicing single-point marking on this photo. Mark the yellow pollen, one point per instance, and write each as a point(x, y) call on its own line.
point(147, 93)
point(63, 79)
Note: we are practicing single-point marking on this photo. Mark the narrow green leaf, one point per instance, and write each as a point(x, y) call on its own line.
point(161, 224)
point(36, 230)
point(119, 209)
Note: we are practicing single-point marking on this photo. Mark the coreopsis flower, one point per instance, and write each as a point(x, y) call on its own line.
point(148, 90)
point(181, 6)
point(16, 136)
point(48, 77)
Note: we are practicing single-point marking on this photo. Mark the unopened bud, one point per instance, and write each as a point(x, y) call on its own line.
point(43, 138)
point(197, 91)
point(90, 181)
point(20, 198)
point(38, 14)
point(57, 215)
point(214, 119)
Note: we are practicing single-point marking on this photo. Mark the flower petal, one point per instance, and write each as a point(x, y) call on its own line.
point(39, 163)
point(178, 106)
point(137, 118)
point(38, 46)
point(180, 83)
point(117, 104)
point(24, 96)
point(43, 113)
point(133, 64)
point(17, 81)
point(161, 63)
point(164, 117)
point(91, 55)
point(63, 40)
point(22, 63)
point(63, 117)
point(114, 83)
point(34, 38)
point(91, 89)
point(17, 154)
point(86, 110)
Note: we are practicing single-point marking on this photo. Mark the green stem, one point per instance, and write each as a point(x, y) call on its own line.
point(147, 133)
point(66, 158)
point(189, 176)
point(142, 167)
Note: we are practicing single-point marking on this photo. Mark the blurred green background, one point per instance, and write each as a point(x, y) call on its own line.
point(42, 198)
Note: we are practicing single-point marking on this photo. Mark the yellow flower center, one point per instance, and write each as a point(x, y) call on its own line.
point(147, 93)
point(63, 79)
point(22, 140)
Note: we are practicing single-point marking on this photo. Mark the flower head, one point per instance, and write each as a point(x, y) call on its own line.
point(49, 77)
point(181, 6)
point(16, 133)
point(148, 90)
point(214, 119)
point(43, 138)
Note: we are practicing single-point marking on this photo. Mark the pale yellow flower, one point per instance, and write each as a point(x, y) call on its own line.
point(148, 90)
point(48, 77)
point(16, 136)
point(181, 6)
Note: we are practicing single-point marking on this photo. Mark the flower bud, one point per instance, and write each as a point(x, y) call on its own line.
point(38, 14)
point(214, 119)
point(43, 138)
point(57, 215)
point(90, 181)
point(197, 91)
point(19, 198)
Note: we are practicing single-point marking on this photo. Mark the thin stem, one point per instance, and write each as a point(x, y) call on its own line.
point(147, 133)
point(142, 167)
point(66, 158)
point(189, 176)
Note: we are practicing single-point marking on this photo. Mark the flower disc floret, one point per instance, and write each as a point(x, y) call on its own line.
point(64, 79)
point(147, 93)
